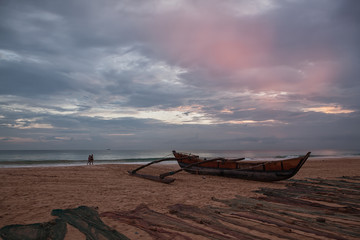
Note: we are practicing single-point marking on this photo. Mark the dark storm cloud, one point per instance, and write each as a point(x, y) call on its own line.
point(95, 73)
point(25, 79)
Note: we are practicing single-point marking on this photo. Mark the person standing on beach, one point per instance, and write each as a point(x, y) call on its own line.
point(90, 160)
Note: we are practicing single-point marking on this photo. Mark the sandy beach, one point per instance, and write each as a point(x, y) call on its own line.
point(28, 195)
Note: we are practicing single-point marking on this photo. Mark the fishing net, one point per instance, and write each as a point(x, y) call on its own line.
point(85, 219)
point(53, 230)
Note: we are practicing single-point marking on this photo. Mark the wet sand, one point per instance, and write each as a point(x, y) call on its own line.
point(28, 195)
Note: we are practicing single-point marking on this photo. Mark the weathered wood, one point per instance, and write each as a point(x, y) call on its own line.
point(150, 177)
point(153, 162)
point(250, 170)
point(153, 178)
point(188, 167)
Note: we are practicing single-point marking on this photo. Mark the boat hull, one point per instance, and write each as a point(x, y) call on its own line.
point(258, 171)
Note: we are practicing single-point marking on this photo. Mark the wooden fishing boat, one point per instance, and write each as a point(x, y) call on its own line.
point(239, 168)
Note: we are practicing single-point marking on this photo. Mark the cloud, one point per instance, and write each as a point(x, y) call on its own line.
point(29, 123)
point(159, 73)
point(329, 110)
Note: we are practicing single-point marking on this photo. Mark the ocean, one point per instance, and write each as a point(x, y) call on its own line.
point(44, 158)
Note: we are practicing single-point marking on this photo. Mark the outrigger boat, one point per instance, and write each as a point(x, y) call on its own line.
point(266, 171)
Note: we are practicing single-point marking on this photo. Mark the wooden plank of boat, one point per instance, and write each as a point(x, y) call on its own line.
point(189, 166)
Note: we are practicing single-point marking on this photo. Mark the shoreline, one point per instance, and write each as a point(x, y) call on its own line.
point(97, 163)
point(28, 195)
point(174, 162)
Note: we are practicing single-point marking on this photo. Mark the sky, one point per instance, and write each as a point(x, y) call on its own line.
point(181, 74)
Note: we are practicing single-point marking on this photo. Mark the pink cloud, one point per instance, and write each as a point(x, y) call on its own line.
point(240, 52)
point(210, 39)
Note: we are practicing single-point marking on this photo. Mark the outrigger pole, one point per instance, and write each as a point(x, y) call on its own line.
point(150, 177)
point(162, 177)
point(146, 165)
